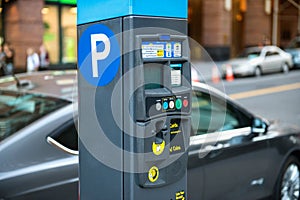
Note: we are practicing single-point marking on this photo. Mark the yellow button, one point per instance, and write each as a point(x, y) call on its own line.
point(157, 149)
point(153, 174)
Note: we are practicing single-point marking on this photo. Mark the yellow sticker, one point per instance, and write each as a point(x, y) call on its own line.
point(160, 53)
point(158, 148)
point(153, 174)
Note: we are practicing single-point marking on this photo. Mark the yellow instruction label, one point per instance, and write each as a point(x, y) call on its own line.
point(180, 195)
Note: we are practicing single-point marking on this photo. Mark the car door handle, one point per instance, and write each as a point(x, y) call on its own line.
point(215, 150)
point(208, 150)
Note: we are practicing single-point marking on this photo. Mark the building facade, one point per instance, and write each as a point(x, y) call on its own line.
point(222, 27)
point(225, 27)
point(31, 23)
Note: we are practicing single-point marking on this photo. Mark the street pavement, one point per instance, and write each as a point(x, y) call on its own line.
point(273, 96)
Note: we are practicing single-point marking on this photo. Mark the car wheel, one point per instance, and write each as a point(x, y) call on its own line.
point(257, 72)
point(288, 186)
point(285, 68)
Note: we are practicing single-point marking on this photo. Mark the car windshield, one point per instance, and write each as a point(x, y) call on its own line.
point(17, 110)
point(250, 53)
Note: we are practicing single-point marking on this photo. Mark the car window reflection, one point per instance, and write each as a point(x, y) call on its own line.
point(18, 110)
point(210, 114)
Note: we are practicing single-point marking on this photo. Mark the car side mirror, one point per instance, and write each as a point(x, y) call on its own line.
point(259, 126)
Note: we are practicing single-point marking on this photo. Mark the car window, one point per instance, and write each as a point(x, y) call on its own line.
point(18, 110)
point(66, 137)
point(297, 44)
point(294, 44)
point(249, 54)
point(272, 53)
point(210, 114)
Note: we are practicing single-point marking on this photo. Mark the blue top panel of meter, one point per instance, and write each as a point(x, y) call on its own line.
point(95, 10)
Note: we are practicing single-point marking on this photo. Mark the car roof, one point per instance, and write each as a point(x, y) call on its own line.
point(203, 87)
point(61, 84)
point(58, 83)
point(260, 48)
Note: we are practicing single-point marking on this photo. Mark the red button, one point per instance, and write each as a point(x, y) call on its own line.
point(185, 103)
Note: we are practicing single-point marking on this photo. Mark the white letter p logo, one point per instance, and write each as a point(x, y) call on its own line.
point(99, 55)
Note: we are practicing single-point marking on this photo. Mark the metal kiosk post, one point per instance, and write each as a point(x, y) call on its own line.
point(134, 99)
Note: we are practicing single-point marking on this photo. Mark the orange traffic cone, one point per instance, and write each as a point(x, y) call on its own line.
point(229, 73)
point(215, 75)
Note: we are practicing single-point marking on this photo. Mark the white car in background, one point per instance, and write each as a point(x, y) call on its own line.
point(259, 60)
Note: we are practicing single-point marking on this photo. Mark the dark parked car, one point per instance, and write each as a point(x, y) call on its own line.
point(294, 49)
point(233, 154)
point(38, 139)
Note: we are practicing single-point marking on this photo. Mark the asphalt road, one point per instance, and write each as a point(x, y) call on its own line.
point(273, 96)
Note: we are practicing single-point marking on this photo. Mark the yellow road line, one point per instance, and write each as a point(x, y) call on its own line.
point(265, 91)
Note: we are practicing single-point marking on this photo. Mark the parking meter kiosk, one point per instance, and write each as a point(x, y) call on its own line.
point(134, 99)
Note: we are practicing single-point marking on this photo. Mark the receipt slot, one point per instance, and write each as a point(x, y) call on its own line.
point(134, 106)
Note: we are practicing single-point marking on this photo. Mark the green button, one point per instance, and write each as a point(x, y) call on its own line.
point(178, 104)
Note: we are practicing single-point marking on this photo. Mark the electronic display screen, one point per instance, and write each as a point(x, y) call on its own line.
point(153, 75)
point(161, 49)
